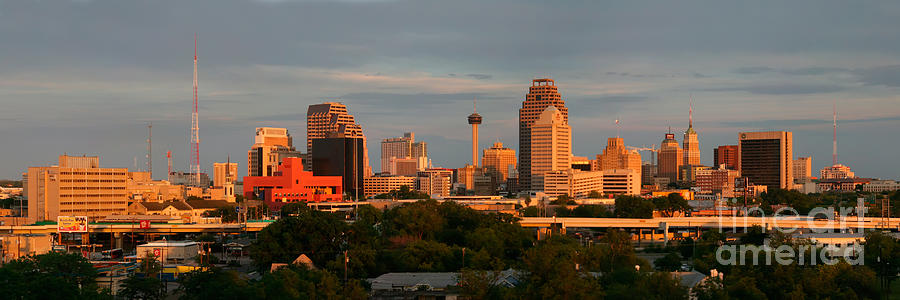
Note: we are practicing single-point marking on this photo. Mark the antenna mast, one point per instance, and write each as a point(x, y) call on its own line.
point(169, 157)
point(150, 149)
point(195, 128)
point(834, 137)
point(691, 113)
point(617, 127)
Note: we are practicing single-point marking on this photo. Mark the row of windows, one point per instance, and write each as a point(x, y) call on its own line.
point(92, 188)
point(94, 181)
point(89, 203)
point(94, 173)
point(90, 195)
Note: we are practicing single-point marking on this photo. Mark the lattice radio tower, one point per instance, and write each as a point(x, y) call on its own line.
point(195, 128)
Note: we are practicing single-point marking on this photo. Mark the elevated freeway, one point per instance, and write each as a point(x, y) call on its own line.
point(724, 222)
point(154, 228)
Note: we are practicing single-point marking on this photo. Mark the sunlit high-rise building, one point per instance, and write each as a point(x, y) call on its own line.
point(542, 93)
point(616, 156)
point(404, 147)
point(802, 169)
point(270, 147)
point(766, 158)
point(499, 161)
point(224, 173)
point(837, 171)
point(726, 155)
point(76, 187)
point(691, 142)
point(333, 118)
point(551, 145)
point(670, 158)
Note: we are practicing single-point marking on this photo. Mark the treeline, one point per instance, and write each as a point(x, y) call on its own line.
point(428, 236)
point(626, 206)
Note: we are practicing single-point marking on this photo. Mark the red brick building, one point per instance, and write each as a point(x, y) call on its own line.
point(292, 185)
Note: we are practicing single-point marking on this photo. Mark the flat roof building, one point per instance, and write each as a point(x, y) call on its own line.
point(726, 155)
point(339, 155)
point(77, 187)
point(292, 185)
point(377, 185)
point(766, 158)
point(802, 169)
point(435, 182)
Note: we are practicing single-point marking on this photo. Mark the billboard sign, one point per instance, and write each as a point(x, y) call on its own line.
point(145, 224)
point(71, 224)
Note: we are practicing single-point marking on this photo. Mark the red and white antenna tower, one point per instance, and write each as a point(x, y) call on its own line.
point(169, 158)
point(834, 137)
point(195, 128)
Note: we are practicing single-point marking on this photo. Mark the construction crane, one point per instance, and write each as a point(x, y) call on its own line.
point(652, 148)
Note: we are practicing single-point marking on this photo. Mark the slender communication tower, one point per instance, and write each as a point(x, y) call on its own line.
point(150, 149)
point(834, 137)
point(169, 157)
point(474, 120)
point(195, 128)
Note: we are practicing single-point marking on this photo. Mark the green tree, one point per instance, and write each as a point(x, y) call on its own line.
point(319, 235)
point(591, 211)
point(214, 283)
point(563, 200)
point(297, 282)
point(144, 284)
point(595, 194)
point(481, 284)
point(671, 204)
point(49, 276)
point(405, 192)
point(419, 219)
point(882, 254)
point(554, 272)
point(633, 207)
point(669, 263)
point(754, 235)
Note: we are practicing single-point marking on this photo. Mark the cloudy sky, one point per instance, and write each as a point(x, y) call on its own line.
point(87, 76)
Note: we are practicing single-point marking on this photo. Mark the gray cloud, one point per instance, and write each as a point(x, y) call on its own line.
point(784, 89)
point(97, 66)
point(883, 75)
point(480, 76)
point(787, 123)
point(815, 70)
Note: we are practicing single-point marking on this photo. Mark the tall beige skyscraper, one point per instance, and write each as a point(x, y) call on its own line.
point(616, 156)
point(802, 169)
point(541, 94)
point(670, 158)
point(551, 145)
point(404, 147)
point(766, 158)
point(333, 117)
point(691, 143)
point(270, 146)
point(224, 173)
point(498, 161)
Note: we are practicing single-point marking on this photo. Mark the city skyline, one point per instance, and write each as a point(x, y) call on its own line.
point(95, 95)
